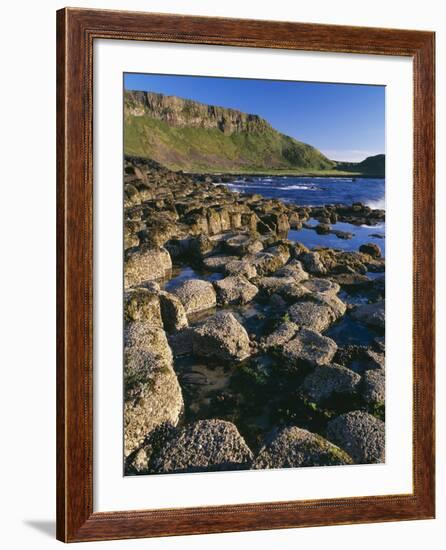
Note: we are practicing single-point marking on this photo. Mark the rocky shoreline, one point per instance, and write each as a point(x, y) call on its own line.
point(257, 311)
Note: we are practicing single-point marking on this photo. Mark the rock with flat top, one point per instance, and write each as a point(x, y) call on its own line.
point(309, 347)
point(329, 380)
point(295, 447)
point(221, 337)
point(204, 446)
point(235, 290)
point(196, 295)
point(360, 434)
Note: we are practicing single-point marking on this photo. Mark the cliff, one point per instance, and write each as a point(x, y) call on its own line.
point(183, 134)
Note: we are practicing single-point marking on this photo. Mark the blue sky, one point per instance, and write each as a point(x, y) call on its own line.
point(345, 121)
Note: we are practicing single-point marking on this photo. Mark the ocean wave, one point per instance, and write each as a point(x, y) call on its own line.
point(379, 204)
point(303, 187)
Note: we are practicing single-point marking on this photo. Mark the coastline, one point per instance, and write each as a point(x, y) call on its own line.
point(245, 334)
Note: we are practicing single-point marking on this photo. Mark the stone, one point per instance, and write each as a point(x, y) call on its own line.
point(235, 290)
point(372, 249)
point(218, 262)
point(141, 304)
point(146, 265)
point(242, 244)
point(312, 263)
point(323, 228)
point(371, 314)
point(221, 337)
point(241, 267)
point(196, 295)
point(337, 306)
point(270, 260)
point(201, 246)
point(287, 287)
point(152, 394)
point(360, 434)
point(326, 381)
point(312, 315)
point(283, 334)
point(294, 270)
point(309, 347)
point(295, 447)
point(373, 387)
point(172, 312)
point(205, 445)
point(322, 286)
point(353, 280)
point(345, 235)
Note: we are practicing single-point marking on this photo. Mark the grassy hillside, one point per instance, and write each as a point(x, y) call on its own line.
point(204, 149)
point(372, 166)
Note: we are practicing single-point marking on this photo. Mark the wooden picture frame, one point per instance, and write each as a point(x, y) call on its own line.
point(77, 29)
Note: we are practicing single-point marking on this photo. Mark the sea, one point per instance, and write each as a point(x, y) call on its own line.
point(317, 191)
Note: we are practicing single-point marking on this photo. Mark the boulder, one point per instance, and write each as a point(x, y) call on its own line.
point(294, 270)
point(241, 267)
point(326, 381)
point(218, 262)
point(141, 304)
point(172, 312)
point(242, 244)
point(373, 387)
point(146, 265)
point(270, 260)
point(372, 249)
point(310, 347)
point(235, 290)
point(360, 434)
point(152, 394)
point(312, 263)
point(221, 337)
point(337, 306)
point(295, 447)
point(322, 286)
point(287, 287)
point(323, 228)
point(312, 315)
point(371, 314)
point(196, 295)
point(283, 334)
point(345, 235)
point(352, 280)
point(205, 445)
point(201, 246)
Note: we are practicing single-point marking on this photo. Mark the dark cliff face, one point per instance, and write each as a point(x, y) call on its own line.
point(181, 113)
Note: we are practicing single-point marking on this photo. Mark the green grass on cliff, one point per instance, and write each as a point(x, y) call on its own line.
point(210, 150)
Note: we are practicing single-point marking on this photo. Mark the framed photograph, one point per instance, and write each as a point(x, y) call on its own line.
point(245, 275)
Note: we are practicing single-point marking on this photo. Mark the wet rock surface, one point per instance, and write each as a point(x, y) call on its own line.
point(244, 349)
